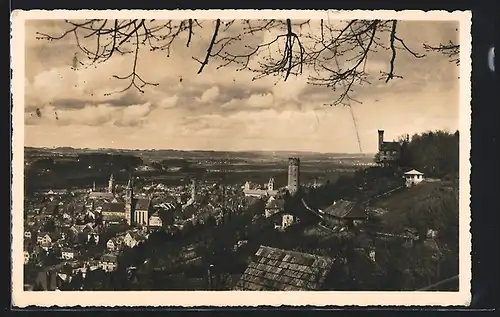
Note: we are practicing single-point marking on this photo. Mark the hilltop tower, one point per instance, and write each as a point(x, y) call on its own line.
point(293, 174)
point(129, 197)
point(380, 139)
point(111, 184)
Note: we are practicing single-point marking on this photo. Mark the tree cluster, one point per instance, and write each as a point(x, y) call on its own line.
point(434, 153)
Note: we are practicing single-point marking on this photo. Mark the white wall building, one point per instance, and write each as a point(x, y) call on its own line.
point(413, 177)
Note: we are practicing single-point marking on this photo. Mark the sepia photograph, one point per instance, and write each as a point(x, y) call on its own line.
point(306, 155)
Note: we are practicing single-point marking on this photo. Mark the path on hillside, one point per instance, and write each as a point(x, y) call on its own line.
point(384, 194)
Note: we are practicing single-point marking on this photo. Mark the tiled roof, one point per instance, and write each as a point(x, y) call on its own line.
point(414, 172)
point(345, 209)
point(113, 207)
point(283, 270)
point(275, 204)
point(114, 218)
point(101, 195)
point(110, 258)
point(142, 204)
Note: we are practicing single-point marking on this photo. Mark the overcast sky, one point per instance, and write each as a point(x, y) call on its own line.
point(226, 110)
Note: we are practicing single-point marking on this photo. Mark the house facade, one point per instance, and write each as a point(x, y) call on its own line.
point(413, 178)
point(274, 206)
point(114, 244)
point(288, 220)
point(108, 262)
point(67, 254)
point(27, 257)
point(155, 221)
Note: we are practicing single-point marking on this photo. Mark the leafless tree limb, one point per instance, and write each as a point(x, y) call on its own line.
point(336, 56)
point(451, 50)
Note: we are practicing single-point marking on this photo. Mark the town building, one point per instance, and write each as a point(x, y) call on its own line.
point(134, 211)
point(108, 195)
point(108, 262)
point(413, 177)
point(288, 220)
point(268, 191)
point(155, 220)
point(388, 152)
point(67, 254)
point(344, 213)
point(293, 175)
point(27, 256)
point(274, 206)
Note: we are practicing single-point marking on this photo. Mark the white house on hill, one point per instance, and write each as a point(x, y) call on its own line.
point(413, 177)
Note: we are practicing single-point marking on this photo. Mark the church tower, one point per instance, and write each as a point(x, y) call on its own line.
point(270, 184)
point(111, 184)
point(193, 189)
point(129, 199)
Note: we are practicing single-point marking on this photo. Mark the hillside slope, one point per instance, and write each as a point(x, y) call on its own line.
point(429, 205)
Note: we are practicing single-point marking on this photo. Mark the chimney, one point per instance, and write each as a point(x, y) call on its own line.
point(380, 139)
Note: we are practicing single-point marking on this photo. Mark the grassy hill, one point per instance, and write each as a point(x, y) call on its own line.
point(429, 205)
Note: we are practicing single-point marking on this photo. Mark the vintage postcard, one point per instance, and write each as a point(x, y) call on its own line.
point(241, 158)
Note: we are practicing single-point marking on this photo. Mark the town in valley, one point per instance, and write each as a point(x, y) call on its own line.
point(180, 220)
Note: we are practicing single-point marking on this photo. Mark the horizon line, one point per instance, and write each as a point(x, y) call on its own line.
point(192, 150)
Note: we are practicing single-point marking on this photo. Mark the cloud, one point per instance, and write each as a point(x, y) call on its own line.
point(224, 108)
point(210, 95)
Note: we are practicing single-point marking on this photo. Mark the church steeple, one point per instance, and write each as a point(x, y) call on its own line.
point(270, 184)
point(129, 199)
point(111, 184)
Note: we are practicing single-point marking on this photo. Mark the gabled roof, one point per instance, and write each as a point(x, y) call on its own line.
point(42, 234)
point(113, 207)
point(137, 236)
point(345, 209)
point(414, 172)
point(284, 270)
point(101, 195)
point(275, 204)
point(142, 204)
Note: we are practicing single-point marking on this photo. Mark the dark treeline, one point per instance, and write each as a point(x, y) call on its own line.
point(61, 172)
point(434, 153)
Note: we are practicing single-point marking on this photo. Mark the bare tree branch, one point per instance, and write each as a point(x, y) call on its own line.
point(335, 56)
point(451, 50)
point(210, 47)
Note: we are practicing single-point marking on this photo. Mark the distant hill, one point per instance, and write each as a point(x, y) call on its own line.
point(197, 154)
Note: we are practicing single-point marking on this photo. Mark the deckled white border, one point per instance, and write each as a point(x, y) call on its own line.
point(21, 298)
